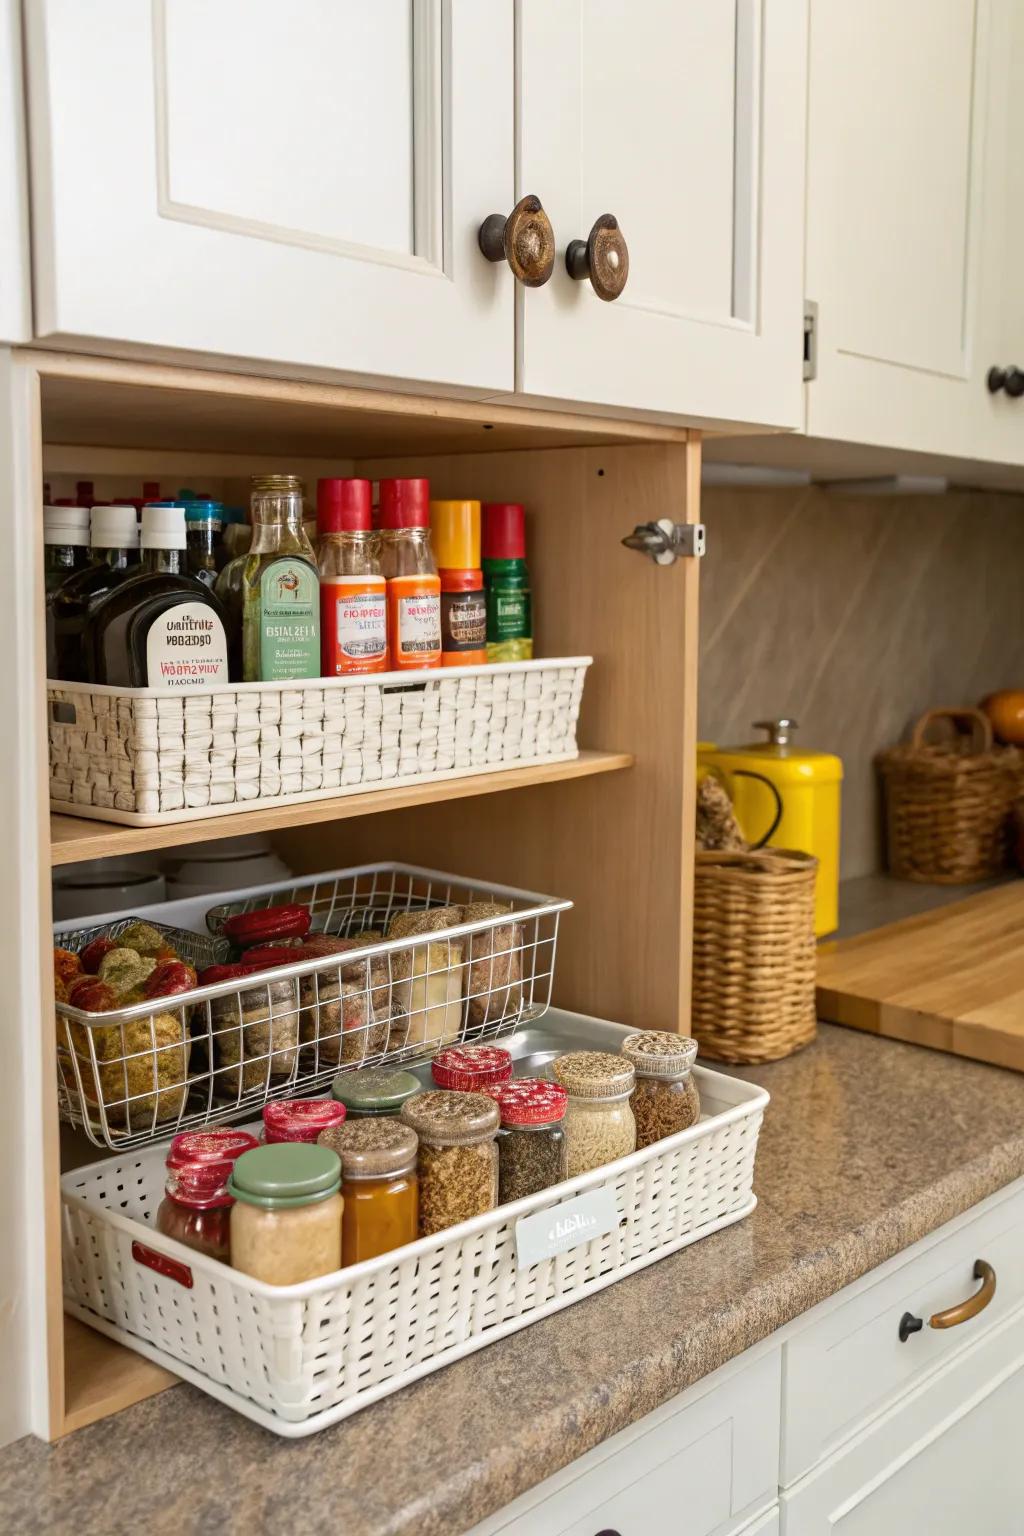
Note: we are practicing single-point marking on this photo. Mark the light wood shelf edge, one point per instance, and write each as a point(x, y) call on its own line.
point(73, 838)
point(101, 1377)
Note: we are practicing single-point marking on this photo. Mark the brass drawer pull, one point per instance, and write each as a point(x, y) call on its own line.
point(962, 1312)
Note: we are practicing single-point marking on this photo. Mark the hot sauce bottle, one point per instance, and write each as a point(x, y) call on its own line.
point(353, 593)
point(414, 587)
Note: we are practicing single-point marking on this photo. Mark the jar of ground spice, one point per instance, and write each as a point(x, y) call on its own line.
point(378, 1185)
point(599, 1124)
point(665, 1099)
point(471, 1068)
point(300, 1119)
point(286, 1219)
point(533, 1152)
point(458, 1159)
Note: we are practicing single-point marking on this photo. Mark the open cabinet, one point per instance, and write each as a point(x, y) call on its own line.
point(612, 829)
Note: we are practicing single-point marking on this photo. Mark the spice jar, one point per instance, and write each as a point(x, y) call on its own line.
point(374, 1090)
point(378, 1185)
point(196, 1208)
point(471, 1068)
point(665, 1099)
point(300, 1119)
point(599, 1122)
point(458, 1158)
point(286, 1220)
point(533, 1152)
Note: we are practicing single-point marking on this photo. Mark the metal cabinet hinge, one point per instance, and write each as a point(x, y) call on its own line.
point(666, 542)
point(810, 339)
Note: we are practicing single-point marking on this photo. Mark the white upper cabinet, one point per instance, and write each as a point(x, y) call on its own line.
point(15, 302)
point(896, 212)
point(298, 183)
point(684, 120)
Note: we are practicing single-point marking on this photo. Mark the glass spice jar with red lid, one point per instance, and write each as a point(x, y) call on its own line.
point(471, 1068)
point(533, 1152)
point(300, 1119)
point(196, 1208)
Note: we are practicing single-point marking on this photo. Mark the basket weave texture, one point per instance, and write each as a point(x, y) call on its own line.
point(948, 800)
point(753, 954)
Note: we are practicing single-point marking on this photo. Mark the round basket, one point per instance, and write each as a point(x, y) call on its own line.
point(753, 954)
point(948, 801)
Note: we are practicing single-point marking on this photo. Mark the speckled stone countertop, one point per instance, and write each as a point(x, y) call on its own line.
point(867, 1146)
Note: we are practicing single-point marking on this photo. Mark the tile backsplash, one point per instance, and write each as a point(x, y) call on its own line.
point(854, 614)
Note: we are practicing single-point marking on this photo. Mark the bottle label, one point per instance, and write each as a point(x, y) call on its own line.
point(186, 647)
point(289, 621)
point(355, 628)
point(508, 616)
point(419, 626)
point(463, 621)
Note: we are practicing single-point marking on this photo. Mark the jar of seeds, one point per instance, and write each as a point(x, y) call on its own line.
point(533, 1152)
point(665, 1099)
point(599, 1124)
point(458, 1159)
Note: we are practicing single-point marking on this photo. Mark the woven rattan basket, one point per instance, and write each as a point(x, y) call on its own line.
point(753, 954)
point(948, 801)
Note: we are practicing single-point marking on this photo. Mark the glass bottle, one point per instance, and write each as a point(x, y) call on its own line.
point(196, 1208)
point(665, 1099)
point(203, 525)
point(286, 1219)
point(229, 589)
point(509, 603)
point(161, 628)
point(533, 1150)
point(280, 587)
point(353, 593)
point(65, 544)
point(414, 587)
point(378, 1185)
point(458, 1158)
point(599, 1123)
point(115, 557)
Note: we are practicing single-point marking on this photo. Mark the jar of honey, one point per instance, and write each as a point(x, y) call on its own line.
point(379, 1186)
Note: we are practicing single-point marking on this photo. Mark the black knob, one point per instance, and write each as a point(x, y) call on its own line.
point(909, 1324)
point(1010, 379)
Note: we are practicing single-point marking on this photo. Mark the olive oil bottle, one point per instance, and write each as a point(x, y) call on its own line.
point(280, 587)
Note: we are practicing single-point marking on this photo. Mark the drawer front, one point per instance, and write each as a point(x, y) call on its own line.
point(701, 1464)
point(849, 1363)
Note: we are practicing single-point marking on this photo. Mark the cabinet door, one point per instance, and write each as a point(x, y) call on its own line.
point(15, 305)
point(685, 120)
point(300, 184)
point(895, 158)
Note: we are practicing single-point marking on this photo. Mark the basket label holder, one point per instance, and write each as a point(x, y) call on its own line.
point(546, 1234)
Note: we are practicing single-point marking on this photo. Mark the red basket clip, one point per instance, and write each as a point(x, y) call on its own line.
point(172, 1269)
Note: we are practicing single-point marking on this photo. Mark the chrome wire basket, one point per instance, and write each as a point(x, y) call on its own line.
point(404, 961)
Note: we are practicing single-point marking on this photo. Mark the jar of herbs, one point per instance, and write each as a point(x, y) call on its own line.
point(458, 1158)
point(471, 1068)
point(378, 1185)
point(196, 1208)
point(599, 1124)
point(300, 1119)
point(533, 1152)
point(286, 1219)
point(665, 1099)
point(374, 1091)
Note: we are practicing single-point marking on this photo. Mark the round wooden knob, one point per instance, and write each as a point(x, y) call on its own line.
point(1011, 379)
point(603, 257)
point(525, 240)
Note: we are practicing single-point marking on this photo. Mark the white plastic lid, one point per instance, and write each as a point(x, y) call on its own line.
point(66, 525)
point(115, 528)
point(163, 527)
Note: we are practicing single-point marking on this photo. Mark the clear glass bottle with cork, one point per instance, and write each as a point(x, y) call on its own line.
point(280, 587)
point(353, 593)
point(114, 547)
point(509, 605)
point(455, 531)
point(414, 588)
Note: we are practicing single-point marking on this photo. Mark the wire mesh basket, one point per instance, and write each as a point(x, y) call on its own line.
point(398, 962)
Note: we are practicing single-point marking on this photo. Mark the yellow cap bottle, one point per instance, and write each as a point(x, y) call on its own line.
point(455, 534)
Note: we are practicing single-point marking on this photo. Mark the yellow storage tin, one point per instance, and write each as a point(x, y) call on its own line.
point(786, 798)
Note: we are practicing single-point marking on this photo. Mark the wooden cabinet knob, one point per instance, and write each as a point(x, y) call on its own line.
point(1011, 379)
point(603, 257)
point(525, 240)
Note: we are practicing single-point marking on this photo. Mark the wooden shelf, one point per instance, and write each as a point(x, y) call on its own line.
point(101, 1377)
point(73, 837)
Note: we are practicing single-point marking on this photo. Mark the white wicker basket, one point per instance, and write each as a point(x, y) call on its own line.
point(298, 1358)
point(144, 757)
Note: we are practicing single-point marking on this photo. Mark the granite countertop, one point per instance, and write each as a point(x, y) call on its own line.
point(867, 1146)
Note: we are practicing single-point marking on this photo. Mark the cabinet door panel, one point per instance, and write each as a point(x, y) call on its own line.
point(685, 121)
point(300, 184)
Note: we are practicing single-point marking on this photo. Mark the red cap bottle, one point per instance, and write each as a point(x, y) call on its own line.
point(343, 506)
point(404, 504)
point(504, 531)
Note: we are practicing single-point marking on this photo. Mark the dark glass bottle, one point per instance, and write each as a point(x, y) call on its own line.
point(161, 628)
point(65, 543)
point(203, 526)
point(115, 556)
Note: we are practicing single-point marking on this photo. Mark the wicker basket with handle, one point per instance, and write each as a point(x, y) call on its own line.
point(753, 954)
point(948, 800)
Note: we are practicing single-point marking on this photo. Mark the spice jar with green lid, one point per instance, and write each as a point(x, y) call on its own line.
point(533, 1152)
point(458, 1158)
point(599, 1123)
point(286, 1219)
point(374, 1090)
point(378, 1185)
point(665, 1099)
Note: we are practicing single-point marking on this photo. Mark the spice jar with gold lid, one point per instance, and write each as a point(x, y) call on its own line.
point(665, 1099)
point(378, 1185)
point(599, 1123)
point(458, 1158)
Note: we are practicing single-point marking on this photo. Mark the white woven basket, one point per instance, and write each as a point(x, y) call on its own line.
point(144, 757)
point(299, 1358)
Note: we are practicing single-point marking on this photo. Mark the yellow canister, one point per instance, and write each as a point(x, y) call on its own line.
point(787, 798)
